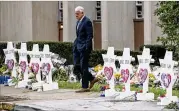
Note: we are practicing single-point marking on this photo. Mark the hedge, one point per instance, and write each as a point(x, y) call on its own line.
point(64, 49)
point(3, 45)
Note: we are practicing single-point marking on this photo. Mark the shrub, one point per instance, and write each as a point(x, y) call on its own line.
point(60, 74)
point(168, 15)
point(3, 45)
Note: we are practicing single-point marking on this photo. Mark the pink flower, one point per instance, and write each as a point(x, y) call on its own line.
point(162, 95)
point(123, 88)
point(140, 91)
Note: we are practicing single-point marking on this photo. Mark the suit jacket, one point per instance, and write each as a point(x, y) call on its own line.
point(84, 34)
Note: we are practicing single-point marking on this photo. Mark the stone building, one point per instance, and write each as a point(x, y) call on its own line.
point(116, 23)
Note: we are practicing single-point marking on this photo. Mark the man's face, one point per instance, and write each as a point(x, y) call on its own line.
point(78, 15)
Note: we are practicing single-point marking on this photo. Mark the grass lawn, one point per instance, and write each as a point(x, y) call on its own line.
point(96, 88)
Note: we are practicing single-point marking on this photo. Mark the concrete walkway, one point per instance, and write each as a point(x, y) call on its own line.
point(67, 99)
point(90, 104)
point(48, 95)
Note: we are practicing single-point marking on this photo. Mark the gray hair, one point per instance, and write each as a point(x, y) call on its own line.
point(79, 8)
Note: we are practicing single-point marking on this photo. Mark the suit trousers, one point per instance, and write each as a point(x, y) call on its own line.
point(82, 57)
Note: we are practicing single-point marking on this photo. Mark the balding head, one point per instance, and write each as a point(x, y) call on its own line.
point(79, 12)
point(79, 9)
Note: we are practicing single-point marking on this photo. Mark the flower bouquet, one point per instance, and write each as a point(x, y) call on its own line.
point(19, 73)
point(162, 94)
point(152, 77)
point(19, 76)
point(117, 78)
point(101, 78)
point(31, 77)
point(152, 80)
point(98, 68)
point(4, 70)
point(4, 75)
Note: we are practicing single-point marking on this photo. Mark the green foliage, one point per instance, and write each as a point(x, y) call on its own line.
point(172, 105)
point(3, 69)
point(68, 85)
point(6, 106)
point(15, 80)
point(151, 83)
point(2, 59)
point(96, 57)
point(59, 75)
point(168, 14)
point(77, 85)
point(176, 85)
point(3, 45)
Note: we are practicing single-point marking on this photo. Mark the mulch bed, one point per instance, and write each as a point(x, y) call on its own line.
point(4, 106)
point(10, 99)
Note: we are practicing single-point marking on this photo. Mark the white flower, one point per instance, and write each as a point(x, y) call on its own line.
point(31, 75)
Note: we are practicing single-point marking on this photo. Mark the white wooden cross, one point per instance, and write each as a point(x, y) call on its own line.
point(109, 69)
point(126, 67)
point(23, 64)
point(143, 74)
point(167, 78)
point(125, 71)
point(35, 61)
point(10, 59)
point(46, 63)
point(46, 68)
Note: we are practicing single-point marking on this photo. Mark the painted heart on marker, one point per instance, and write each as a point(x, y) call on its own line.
point(35, 67)
point(166, 80)
point(23, 66)
point(10, 64)
point(46, 68)
point(143, 73)
point(108, 72)
point(125, 75)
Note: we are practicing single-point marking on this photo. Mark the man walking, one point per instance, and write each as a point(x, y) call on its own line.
point(82, 48)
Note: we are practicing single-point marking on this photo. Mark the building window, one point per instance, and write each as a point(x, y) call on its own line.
point(139, 9)
point(98, 10)
point(60, 11)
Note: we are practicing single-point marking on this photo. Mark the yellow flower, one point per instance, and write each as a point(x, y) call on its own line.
point(98, 67)
point(151, 76)
point(117, 75)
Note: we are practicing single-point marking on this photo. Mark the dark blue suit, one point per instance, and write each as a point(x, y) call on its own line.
point(82, 49)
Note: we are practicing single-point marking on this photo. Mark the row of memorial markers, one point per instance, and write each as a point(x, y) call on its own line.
point(40, 61)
